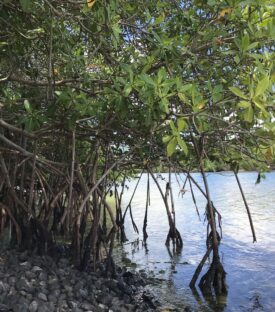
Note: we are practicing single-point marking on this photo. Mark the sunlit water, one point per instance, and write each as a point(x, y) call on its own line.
point(250, 266)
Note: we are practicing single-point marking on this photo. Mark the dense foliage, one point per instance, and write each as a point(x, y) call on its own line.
point(92, 92)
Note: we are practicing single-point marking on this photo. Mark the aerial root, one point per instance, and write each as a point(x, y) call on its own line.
point(213, 281)
point(175, 237)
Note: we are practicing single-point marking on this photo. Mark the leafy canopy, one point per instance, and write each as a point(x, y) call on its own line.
point(154, 74)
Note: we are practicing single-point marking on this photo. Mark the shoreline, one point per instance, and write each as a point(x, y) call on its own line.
point(39, 284)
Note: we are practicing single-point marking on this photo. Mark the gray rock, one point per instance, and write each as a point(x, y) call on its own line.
point(42, 296)
point(105, 299)
point(23, 256)
point(24, 284)
point(3, 287)
point(33, 306)
point(24, 265)
point(63, 262)
point(68, 288)
point(99, 283)
point(30, 275)
point(102, 306)
point(52, 298)
point(116, 302)
point(123, 309)
point(29, 297)
point(43, 276)
point(130, 307)
point(53, 284)
point(63, 304)
point(37, 269)
point(72, 304)
point(77, 309)
point(4, 307)
point(20, 307)
point(55, 293)
point(12, 280)
point(79, 285)
point(42, 284)
point(45, 308)
point(11, 300)
point(111, 284)
point(23, 293)
point(62, 273)
point(83, 293)
point(24, 302)
point(124, 288)
point(126, 299)
point(12, 291)
point(72, 280)
point(87, 306)
point(62, 297)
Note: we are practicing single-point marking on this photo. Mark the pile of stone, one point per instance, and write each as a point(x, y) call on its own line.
point(39, 284)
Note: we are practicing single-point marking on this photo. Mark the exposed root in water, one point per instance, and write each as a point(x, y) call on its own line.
point(173, 234)
point(145, 235)
point(199, 268)
point(122, 219)
point(213, 281)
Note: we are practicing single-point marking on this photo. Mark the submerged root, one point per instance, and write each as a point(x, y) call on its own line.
point(174, 236)
point(213, 281)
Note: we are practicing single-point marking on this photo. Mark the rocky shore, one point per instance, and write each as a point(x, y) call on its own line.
point(39, 284)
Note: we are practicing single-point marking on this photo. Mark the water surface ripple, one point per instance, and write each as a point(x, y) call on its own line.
point(250, 267)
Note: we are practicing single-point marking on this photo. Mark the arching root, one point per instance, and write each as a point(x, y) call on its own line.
point(213, 281)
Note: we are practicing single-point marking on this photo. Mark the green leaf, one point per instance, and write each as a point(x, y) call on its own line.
point(237, 59)
point(116, 31)
point(217, 93)
point(182, 145)
point(26, 5)
point(29, 124)
point(238, 92)
point(128, 70)
point(262, 108)
point(262, 86)
point(252, 45)
point(182, 97)
point(127, 90)
point(173, 127)
point(211, 2)
point(164, 103)
point(244, 104)
point(27, 106)
point(245, 42)
point(161, 75)
point(181, 124)
point(171, 146)
point(237, 42)
point(166, 138)
point(159, 19)
point(186, 87)
point(249, 114)
point(147, 79)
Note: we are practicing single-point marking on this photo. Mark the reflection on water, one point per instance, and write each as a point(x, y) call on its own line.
point(250, 267)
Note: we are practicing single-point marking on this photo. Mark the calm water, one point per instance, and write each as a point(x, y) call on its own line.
point(250, 267)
